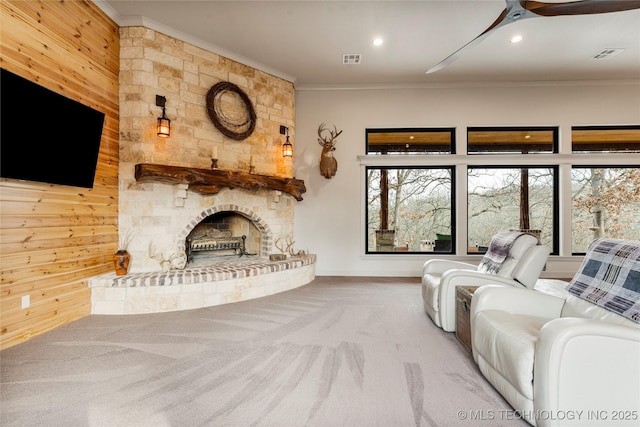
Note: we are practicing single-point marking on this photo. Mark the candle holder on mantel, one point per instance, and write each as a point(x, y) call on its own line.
point(214, 163)
point(252, 169)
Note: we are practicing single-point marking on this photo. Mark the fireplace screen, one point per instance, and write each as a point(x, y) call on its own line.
point(222, 234)
point(209, 239)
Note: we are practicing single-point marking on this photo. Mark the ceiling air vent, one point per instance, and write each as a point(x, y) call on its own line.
point(607, 53)
point(351, 58)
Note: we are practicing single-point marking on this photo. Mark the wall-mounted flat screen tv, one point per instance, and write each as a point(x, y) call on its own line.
point(46, 137)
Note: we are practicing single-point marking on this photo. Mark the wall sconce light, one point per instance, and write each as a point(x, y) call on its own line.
point(164, 124)
point(287, 148)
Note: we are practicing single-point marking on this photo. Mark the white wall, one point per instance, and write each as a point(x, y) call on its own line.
point(329, 221)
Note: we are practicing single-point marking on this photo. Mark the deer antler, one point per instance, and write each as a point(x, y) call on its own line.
point(290, 243)
point(287, 247)
point(332, 133)
point(281, 249)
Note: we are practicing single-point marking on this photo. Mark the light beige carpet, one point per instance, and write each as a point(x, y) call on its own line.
point(341, 351)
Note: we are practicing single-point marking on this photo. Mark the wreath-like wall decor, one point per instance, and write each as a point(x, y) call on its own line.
point(236, 123)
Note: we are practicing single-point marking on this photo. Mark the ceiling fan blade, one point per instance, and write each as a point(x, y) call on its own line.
point(457, 54)
point(584, 7)
point(522, 9)
point(506, 17)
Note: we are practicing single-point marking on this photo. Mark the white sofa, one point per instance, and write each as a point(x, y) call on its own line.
point(441, 276)
point(564, 362)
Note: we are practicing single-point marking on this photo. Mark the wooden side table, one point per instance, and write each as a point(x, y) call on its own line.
point(463, 320)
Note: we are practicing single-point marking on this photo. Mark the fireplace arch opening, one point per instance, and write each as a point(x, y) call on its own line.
point(225, 231)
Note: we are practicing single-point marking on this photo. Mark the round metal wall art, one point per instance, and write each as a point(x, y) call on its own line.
point(236, 123)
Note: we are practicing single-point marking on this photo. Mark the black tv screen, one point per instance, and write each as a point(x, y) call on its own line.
point(46, 137)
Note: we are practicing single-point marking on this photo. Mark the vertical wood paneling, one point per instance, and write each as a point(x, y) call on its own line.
point(53, 238)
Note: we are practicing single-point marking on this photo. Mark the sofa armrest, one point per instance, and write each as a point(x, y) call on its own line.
point(439, 266)
point(476, 278)
point(447, 296)
point(453, 278)
point(516, 300)
point(588, 365)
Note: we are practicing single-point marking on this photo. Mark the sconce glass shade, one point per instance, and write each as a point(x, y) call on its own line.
point(287, 148)
point(164, 126)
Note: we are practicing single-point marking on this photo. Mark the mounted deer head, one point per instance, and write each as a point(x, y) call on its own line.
point(328, 163)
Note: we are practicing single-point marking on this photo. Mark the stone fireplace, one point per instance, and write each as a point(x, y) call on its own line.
point(161, 218)
point(256, 188)
point(159, 214)
point(164, 216)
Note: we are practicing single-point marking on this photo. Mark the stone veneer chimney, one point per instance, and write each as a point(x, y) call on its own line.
point(160, 214)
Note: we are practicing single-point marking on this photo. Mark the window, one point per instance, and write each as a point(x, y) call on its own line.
point(605, 203)
point(511, 198)
point(523, 197)
point(514, 179)
point(605, 139)
point(605, 199)
point(409, 209)
point(411, 141)
point(511, 140)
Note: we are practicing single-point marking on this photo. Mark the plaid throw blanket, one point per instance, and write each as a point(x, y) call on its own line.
point(610, 277)
point(498, 251)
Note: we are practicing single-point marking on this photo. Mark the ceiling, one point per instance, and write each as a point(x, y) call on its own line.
point(304, 41)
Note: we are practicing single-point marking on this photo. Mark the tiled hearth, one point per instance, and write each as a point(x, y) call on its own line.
point(219, 283)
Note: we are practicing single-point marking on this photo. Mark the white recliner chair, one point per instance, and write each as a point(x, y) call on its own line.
point(521, 268)
point(573, 362)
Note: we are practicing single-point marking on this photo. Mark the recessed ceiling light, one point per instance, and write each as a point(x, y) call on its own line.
point(378, 41)
point(516, 39)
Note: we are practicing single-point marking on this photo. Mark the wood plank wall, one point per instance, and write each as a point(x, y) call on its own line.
point(52, 237)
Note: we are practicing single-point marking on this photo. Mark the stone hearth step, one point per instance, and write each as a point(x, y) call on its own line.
point(202, 286)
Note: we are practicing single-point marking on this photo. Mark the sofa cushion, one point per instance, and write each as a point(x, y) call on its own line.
point(506, 341)
point(610, 277)
point(577, 307)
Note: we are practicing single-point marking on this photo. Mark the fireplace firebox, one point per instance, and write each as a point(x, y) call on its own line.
point(223, 234)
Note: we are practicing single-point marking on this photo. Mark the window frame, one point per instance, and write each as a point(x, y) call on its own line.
point(604, 128)
point(590, 166)
point(450, 130)
point(452, 219)
point(555, 131)
point(555, 195)
point(564, 159)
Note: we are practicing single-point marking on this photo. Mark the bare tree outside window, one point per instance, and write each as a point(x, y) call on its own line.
point(496, 201)
point(408, 207)
point(605, 203)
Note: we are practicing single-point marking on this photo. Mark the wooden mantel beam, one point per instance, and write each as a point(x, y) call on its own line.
point(210, 181)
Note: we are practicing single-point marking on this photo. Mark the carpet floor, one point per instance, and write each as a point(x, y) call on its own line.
point(340, 351)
